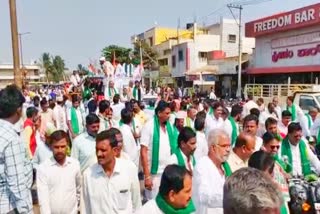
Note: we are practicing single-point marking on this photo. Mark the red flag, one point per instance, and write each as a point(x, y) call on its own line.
point(114, 59)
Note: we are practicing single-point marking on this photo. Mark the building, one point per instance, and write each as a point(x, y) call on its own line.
point(287, 45)
point(32, 74)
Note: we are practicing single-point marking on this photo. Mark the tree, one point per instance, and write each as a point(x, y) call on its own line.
point(121, 53)
point(53, 66)
point(149, 55)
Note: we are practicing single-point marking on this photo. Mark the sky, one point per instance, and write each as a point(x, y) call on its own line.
point(78, 30)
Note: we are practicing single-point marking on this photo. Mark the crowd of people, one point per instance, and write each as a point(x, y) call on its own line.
point(109, 152)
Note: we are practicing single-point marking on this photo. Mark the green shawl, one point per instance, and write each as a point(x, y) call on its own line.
point(168, 209)
point(181, 161)
point(234, 131)
point(74, 121)
point(305, 162)
point(293, 111)
point(156, 143)
point(110, 93)
point(309, 120)
point(226, 168)
point(135, 94)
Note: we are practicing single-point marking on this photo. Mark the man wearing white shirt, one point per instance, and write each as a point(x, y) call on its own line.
point(277, 108)
point(298, 153)
point(111, 185)
point(75, 79)
point(312, 117)
point(250, 126)
point(294, 109)
point(183, 156)
point(59, 179)
point(130, 145)
point(83, 146)
point(59, 114)
point(191, 116)
point(117, 106)
point(231, 125)
point(270, 112)
point(210, 174)
point(110, 91)
point(174, 193)
point(284, 123)
point(104, 112)
point(249, 105)
point(156, 135)
point(202, 145)
point(214, 120)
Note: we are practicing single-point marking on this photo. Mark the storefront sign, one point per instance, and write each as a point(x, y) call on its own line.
point(288, 54)
point(303, 17)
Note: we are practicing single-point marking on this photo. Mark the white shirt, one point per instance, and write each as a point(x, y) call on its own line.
point(279, 112)
point(227, 127)
point(59, 114)
point(303, 120)
point(117, 194)
point(164, 145)
point(42, 153)
point(117, 111)
point(315, 127)
point(212, 96)
point(202, 145)
point(296, 159)
point(212, 123)
point(174, 160)
point(59, 186)
point(207, 187)
point(259, 143)
point(248, 106)
point(282, 128)
point(84, 150)
point(79, 117)
point(150, 207)
point(236, 162)
point(129, 144)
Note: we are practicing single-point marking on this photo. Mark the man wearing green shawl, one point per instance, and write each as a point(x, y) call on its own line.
point(191, 116)
point(75, 117)
point(111, 91)
point(297, 152)
point(211, 172)
point(186, 147)
point(231, 125)
point(174, 195)
point(294, 109)
point(157, 146)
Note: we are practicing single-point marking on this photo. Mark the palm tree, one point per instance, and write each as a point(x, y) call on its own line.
point(58, 65)
point(46, 64)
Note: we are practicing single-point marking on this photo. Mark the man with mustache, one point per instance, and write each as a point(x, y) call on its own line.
point(59, 178)
point(210, 174)
point(83, 146)
point(186, 147)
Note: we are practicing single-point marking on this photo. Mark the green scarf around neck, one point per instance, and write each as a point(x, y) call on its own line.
point(156, 143)
point(74, 121)
point(309, 120)
point(281, 163)
point(181, 161)
point(168, 209)
point(135, 93)
point(210, 112)
point(110, 91)
point(305, 162)
point(293, 111)
point(227, 169)
point(234, 133)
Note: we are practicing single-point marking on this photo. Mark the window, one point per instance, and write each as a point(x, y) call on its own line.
point(232, 38)
point(173, 61)
point(151, 41)
point(306, 102)
point(162, 62)
point(167, 52)
point(180, 54)
point(203, 56)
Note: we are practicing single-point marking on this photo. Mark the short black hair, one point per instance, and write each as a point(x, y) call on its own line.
point(250, 117)
point(31, 111)
point(116, 98)
point(126, 116)
point(290, 98)
point(235, 110)
point(59, 135)
point(107, 135)
point(172, 179)
point(200, 121)
point(286, 113)
point(261, 160)
point(91, 119)
point(104, 105)
point(270, 121)
point(255, 111)
point(185, 135)
point(43, 102)
point(268, 137)
point(36, 98)
point(293, 127)
point(75, 98)
point(11, 99)
point(162, 105)
point(216, 105)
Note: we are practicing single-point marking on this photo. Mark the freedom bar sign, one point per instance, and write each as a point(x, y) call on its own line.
point(303, 17)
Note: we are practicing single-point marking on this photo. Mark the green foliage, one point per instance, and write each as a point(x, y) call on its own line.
point(53, 66)
point(149, 55)
point(121, 54)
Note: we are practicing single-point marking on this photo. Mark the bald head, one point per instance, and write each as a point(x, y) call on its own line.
point(245, 146)
point(244, 139)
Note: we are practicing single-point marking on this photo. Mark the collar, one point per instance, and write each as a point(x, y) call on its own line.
point(237, 159)
point(54, 162)
point(116, 169)
point(184, 156)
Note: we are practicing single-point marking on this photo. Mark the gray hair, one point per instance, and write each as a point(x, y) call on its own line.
point(248, 191)
point(215, 135)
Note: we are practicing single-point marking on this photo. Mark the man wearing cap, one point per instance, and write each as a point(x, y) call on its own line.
point(59, 114)
point(157, 146)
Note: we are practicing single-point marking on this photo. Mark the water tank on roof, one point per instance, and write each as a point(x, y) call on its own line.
point(189, 26)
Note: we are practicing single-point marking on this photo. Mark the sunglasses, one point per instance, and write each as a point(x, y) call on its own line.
point(275, 147)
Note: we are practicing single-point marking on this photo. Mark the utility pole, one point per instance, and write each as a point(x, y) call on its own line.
point(20, 40)
point(239, 7)
point(15, 43)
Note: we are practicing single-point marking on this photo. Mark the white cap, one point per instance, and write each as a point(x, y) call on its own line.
point(102, 58)
point(59, 99)
point(181, 115)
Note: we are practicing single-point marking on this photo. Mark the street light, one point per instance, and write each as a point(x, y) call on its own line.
point(20, 40)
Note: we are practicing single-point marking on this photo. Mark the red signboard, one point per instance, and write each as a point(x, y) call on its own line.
point(303, 17)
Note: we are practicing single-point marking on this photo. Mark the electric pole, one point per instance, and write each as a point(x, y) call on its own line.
point(15, 43)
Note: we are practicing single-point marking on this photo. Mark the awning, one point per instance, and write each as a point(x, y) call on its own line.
point(284, 70)
point(207, 69)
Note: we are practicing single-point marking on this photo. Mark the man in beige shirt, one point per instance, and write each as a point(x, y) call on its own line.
point(239, 155)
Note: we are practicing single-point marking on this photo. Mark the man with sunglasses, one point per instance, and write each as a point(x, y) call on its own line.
point(296, 151)
point(240, 154)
